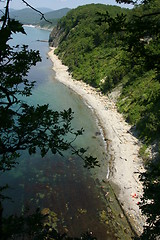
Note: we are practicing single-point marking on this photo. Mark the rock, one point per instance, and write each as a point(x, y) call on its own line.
point(126, 230)
point(109, 210)
point(110, 199)
point(121, 215)
point(97, 133)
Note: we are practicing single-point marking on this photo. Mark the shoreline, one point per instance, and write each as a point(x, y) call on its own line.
point(123, 147)
point(39, 27)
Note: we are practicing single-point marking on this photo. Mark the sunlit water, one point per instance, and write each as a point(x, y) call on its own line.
point(61, 184)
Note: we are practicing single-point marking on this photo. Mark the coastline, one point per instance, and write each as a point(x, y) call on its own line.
point(123, 147)
point(39, 27)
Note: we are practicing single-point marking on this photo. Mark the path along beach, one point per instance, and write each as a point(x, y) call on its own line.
point(123, 146)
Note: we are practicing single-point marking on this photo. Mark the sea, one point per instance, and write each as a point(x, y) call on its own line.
point(60, 184)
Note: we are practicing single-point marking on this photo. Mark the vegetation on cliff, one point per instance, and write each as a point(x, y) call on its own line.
point(104, 54)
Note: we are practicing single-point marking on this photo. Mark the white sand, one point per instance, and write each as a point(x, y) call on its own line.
point(123, 146)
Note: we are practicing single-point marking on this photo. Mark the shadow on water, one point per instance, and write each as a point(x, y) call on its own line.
point(61, 185)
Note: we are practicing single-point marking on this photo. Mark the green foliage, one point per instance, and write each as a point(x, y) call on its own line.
point(150, 201)
point(140, 101)
point(85, 47)
point(143, 153)
point(106, 46)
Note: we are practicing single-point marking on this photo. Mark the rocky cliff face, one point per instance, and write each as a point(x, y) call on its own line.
point(55, 36)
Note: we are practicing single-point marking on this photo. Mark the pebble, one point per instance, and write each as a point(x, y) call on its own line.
point(109, 210)
point(121, 215)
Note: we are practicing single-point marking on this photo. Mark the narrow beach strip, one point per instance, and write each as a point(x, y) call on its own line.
point(123, 146)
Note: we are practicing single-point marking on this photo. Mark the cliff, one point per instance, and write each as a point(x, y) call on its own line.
point(55, 36)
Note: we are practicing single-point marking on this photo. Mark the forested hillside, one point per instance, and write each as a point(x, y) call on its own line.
point(108, 50)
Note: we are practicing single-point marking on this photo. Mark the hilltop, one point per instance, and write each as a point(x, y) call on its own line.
point(29, 16)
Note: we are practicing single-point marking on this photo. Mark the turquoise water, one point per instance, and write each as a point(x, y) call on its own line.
point(61, 184)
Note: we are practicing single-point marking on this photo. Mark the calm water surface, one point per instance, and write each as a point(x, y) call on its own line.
point(59, 183)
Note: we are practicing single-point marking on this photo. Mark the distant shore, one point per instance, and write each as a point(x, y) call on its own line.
point(39, 27)
point(123, 146)
point(29, 25)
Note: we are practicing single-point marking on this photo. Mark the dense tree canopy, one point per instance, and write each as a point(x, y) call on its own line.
point(111, 46)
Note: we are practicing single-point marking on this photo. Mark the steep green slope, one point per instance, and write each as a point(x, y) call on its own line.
point(85, 47)
point(98, 53)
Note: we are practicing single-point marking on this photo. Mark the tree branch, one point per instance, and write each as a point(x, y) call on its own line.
point(42, 15)
point(8, 96)
point(6, 15)
point(1, 11)
point(147, 15)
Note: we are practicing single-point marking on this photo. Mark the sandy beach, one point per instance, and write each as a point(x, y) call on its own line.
point(123, 146)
